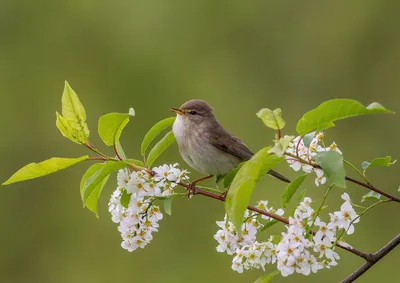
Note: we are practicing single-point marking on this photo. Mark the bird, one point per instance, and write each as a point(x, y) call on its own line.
point(205, 145)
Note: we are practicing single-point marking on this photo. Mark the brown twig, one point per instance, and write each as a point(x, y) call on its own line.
point(373, 259)
point(197, 191)
point(347, 178)
point(372, 188)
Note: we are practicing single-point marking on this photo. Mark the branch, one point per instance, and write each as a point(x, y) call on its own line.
point(365, 185)
point(373, 259)
point(221, 197)
point(372, 188)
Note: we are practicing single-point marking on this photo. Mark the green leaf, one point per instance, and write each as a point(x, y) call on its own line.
point(242, 185)
point(74, 112)
point(66, 129)
point(378, 162)
point(110, 127)
point(307, 139)
point(120, 150)
point(267, 277)
point(231, 175)
point(291, 189)
point(325, 114)
point(219, 178)
point(36, 170)
point(331, 163)
point(154, 132)
point(275, 239)
point(371, 195)
point(91, 202)
point(90, 183)
point(135, 162)
point(159, 148)
point(272, 159)
point(272, 119)
point(125, 199)
point(168, 205)
point(281, 145)
point(269, 224)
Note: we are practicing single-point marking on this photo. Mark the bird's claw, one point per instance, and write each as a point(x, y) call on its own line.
point(191, 189)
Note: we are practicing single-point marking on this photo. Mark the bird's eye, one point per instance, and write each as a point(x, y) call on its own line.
point(192, 112)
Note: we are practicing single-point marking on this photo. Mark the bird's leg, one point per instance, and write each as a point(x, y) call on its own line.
point(192, 185)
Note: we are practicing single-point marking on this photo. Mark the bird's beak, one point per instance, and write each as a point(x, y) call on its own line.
point(176, 110)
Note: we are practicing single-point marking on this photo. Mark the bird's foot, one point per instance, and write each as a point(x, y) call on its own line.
point(191, 190)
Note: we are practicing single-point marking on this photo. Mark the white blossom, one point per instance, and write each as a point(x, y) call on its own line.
point(139, 219)
point(298, 149)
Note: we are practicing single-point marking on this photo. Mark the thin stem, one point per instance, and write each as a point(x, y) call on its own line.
point(90, 146)
point(347, 178)
point(359, 216)
point(198, 191)
point(372, 188)
point(356, 170)
point(321, 205)
point(98, 158)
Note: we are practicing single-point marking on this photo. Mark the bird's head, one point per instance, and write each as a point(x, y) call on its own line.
point(195, 111)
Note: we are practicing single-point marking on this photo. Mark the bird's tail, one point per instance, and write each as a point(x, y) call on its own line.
point(278, 176)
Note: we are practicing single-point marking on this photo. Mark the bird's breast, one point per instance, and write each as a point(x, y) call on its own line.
point(198, 152)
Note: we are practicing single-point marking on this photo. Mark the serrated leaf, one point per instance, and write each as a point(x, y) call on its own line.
point(331, 163)
point(378, 162)
point(154, 132)
point(242, 185)
point(291, 189)
point(125, 198)
point(159, 148)
point(325, 114)
point(36, 170)
point(307, 139)
point(74, 112)
point(281, 145)
point(66, 129)
point(371, 195)
point(110, 127)
point(168, 205)
point(90, 183)
point(267, 277)
point(91, 202)
point(269, 224)
point(272, 119)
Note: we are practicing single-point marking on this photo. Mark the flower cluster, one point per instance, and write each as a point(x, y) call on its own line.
point(296, 250)
point(228, 238)
point(256, 255)
point(300, 150)
point(132, 203)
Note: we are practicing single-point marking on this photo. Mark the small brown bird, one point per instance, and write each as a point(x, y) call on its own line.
point(205, 145)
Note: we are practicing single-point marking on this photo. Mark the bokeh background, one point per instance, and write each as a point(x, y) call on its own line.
point(239, 56)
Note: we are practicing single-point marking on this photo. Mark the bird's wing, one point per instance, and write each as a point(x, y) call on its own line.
point(224, 141)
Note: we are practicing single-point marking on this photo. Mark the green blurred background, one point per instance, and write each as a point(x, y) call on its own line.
point(239, 56)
